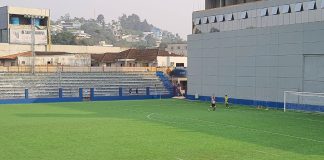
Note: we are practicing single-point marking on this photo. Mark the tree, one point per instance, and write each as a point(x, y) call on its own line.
point(169, 37)
point(101, 19)
point(133, 22)
point(66, 17)
point(98, 33)
point(64, 38)
point(150, 41)
point(81, 20)
point(163, 46)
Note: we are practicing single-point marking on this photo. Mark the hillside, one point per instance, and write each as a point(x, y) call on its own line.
point(127, 31)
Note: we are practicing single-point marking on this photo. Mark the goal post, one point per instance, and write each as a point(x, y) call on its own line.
point(303, 101)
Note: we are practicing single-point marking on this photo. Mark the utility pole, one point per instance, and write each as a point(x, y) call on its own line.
point(32, 21)
point(33, 44)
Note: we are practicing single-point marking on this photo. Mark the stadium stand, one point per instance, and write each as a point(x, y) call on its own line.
point(46, 85)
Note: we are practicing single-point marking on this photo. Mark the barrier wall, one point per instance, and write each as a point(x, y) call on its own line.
point(7, 49)
point(275, 105)
point(81, 98)
point(54, 69)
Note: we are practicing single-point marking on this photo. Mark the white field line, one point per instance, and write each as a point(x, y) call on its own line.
point(227, 125)
point(149, 116)
point(263, 152)
point(247, 108)
point(283, 115)
point(239, 127)
point(305, 119)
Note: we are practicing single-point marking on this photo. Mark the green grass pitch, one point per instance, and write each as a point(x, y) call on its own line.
point(156, 130)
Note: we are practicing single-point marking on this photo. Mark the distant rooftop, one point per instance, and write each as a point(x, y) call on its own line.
point(29, 54)
point(143, 55)
point(26, 11)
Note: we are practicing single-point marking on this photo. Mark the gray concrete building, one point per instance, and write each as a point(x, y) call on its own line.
point(255, 51)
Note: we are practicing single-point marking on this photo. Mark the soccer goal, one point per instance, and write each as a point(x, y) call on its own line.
point(303, 101)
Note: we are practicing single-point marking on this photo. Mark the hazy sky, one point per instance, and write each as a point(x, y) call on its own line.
point(171, 15)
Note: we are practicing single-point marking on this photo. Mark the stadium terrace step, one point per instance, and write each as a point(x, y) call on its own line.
point(46, 85)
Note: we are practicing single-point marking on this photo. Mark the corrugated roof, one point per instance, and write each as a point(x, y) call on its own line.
point(14, 56)
point(140, 55)
point(29, 54)
point(97, 57)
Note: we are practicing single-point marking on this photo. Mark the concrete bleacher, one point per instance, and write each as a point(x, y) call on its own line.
point(46, 85)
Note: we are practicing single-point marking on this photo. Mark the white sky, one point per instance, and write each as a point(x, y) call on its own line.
point(171, 15)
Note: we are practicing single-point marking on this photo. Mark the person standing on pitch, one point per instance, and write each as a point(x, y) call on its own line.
point(213, 104)
point(226, 101)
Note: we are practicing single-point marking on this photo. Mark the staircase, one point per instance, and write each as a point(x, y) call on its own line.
point(166, 81)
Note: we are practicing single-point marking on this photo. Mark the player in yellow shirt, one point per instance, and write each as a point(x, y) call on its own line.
point(226, 101)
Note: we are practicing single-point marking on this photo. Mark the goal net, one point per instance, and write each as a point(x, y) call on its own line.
point(304, 101)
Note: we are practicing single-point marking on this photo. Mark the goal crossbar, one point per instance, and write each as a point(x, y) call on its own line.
point(302, 95)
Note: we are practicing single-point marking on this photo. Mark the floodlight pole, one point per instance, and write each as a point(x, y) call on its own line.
point(32, 21)
point(33, 44)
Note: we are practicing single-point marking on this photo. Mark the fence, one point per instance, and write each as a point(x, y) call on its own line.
point(87, 95)
point(53, 69)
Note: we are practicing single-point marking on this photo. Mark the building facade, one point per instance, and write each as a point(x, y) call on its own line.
point(47, 59)
point(178, 48)
point(255, 51)
point(8, 49)
point(16, 25)
point(210, 4)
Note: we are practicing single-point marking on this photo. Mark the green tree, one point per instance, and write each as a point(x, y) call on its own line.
point(66, 17)
point(150, 41)
point(64, 38)
point(133, 22)
point(101, 19)
point(163, 46)
point(81, 20)
point(98, 33)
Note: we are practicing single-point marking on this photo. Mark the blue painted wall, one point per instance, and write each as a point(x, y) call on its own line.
point(277, 105)
point(60, 98)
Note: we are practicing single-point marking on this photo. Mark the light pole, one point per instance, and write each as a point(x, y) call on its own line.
point(33, 44)
point(32, 20)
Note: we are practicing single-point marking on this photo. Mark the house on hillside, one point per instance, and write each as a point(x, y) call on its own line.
point(131, 38)
point(76, 25)
point(139, 58)
point(46, 59)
